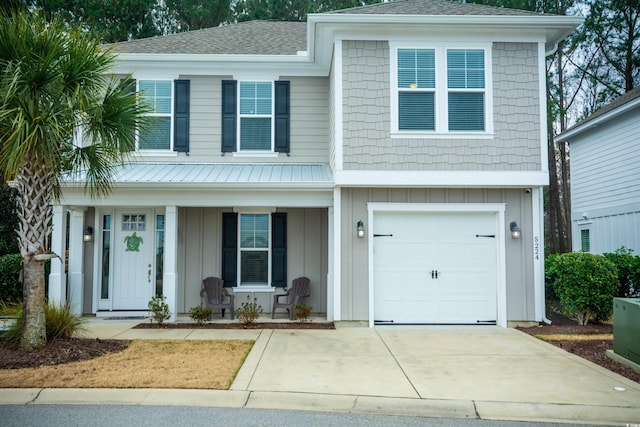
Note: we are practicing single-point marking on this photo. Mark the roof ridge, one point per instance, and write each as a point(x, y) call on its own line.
point(444, 4)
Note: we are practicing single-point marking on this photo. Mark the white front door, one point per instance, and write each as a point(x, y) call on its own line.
point(435, 267)
point(133, 269)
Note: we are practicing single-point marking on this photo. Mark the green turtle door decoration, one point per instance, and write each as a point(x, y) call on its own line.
point(133, 243)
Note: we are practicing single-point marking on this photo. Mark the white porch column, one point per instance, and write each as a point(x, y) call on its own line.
point(57, 277)
point(337, 261)
point(330, 278)
point(76, 256)
point(170, 276)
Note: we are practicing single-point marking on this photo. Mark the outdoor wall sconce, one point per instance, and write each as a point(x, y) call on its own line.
point(360, 230)
point(88, 234)
point(515, 230)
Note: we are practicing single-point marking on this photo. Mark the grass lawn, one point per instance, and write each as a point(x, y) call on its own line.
point(197, 364)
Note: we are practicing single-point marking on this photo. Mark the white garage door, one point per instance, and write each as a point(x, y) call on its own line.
point(435, 267)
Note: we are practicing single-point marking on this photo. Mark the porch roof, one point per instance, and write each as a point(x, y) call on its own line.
point(218, 175)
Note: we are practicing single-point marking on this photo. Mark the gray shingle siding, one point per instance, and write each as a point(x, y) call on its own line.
point(367, 141)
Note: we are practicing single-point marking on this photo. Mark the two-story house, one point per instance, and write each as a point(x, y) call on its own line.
point(395, 154)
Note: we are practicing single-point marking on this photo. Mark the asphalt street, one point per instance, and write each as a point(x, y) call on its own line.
point(174, 416)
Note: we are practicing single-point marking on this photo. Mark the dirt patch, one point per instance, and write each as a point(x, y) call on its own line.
point(584, 341)
point(238, 325)
point(57, 352)
point(142, 364)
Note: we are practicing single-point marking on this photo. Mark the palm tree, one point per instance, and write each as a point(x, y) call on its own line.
point(56, 95)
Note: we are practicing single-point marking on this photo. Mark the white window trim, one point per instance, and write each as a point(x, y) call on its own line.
point(161, 151)
point(245, 287)
point(255, 153)
point(442, 92)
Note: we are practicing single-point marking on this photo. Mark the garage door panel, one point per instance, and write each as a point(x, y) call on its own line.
point(442, 270)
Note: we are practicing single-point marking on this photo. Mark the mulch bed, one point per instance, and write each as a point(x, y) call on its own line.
point(238, 325)
point(57, 352)
point(591, 350)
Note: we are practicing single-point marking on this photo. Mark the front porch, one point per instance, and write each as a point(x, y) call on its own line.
point(145, 240)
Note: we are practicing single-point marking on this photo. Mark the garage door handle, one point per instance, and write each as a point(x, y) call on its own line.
point(493, 236)
point(434, 274)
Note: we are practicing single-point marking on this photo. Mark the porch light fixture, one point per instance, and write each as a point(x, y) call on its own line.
point(88, 234)
point(515, 230)
point(360, 230)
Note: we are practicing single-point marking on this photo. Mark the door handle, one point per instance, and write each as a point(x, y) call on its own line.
point(434, 274)
point(149, 274)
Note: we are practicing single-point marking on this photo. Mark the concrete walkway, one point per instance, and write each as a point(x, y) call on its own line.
point(433, 371)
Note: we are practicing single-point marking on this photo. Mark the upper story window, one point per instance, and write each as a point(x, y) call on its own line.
point(465, 85)
point(158, 95)
point(255, 117)
point(416, 89)
point(255, 124)
point(440, 90)
point(169, 102)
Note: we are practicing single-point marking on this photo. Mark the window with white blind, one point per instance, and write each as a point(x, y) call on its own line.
point(255, 124)
point(254, 249)
point(157, 94)
point(440, 90)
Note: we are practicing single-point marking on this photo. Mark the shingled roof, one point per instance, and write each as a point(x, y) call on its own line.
point(246, 38)
point(289, 38)
point(433, 7)
point(632, 95)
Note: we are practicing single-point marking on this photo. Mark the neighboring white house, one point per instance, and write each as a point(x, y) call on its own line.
point(395, 154)
point(605, 177)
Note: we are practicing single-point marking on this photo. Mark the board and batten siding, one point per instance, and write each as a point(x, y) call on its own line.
point(519, 253)
point(604, 166)
point(366, 101)
point(605, 185)
point(308, 121)
point(199, 254)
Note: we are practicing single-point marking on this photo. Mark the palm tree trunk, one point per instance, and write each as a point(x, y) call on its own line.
point(34, 331)
point(35, 185)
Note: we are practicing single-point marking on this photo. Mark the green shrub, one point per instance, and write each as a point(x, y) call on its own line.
point(550, 274)
point(584, 285)
point(249, 311)
point(10, 285)
point(60, 322)
point(159, 309)
point(628, 267)
point(301, 312)
point(200, 314)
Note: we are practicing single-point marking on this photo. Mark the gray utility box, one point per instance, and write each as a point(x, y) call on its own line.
point(626, 328)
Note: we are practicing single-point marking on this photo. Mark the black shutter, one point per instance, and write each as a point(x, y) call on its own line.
point(282, 128)
point(130, 85)
point(229, 120)
point(279, 249)
point(181, 116)
point(230, 249)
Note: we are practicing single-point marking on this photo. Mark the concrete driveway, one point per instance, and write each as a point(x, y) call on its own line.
point(490, 371)
point(483, 372)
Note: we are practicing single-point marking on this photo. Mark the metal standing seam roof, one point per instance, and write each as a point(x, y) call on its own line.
point(185, 175)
